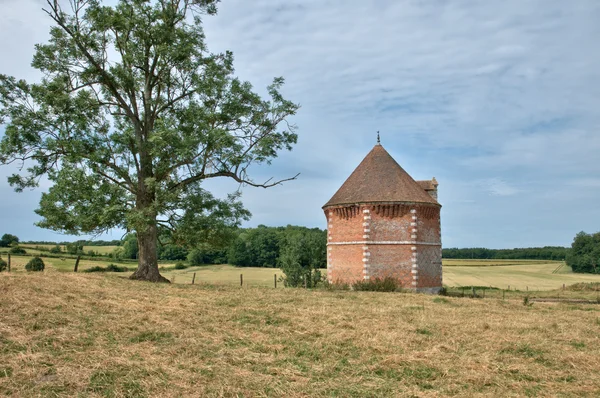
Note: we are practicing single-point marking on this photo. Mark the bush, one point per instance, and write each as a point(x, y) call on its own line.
point(56, 250)
point(387, 284)
point(17, 250)
point(116, 268)
point(3, 265)
point(335, 285)
point(180, 265)
point(109, 268)
point(35, 264)
point(96, 268)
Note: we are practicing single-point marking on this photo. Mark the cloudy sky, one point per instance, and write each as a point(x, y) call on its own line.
point(500, 101)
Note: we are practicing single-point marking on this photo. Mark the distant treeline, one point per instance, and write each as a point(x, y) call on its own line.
point(116, 242)
point(250, 247)
point(263, 246)
point(528, 253)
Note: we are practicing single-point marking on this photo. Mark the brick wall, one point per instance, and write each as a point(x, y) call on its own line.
point(375, 241)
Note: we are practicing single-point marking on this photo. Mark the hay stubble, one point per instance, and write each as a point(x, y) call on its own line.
point(102, 335)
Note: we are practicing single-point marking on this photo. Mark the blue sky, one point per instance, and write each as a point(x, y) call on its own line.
point(498, 100)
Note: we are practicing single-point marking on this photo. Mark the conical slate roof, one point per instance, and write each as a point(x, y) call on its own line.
point(378, 178)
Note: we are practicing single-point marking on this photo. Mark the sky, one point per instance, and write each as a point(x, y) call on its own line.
point(498, 100)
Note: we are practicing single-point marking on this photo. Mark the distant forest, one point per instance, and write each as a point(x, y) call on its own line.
point(116, 242)
point(527, 253)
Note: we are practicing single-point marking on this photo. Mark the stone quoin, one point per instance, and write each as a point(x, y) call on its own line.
point(382, 223)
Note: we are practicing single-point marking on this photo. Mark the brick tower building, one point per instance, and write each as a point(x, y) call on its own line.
point(383, 223)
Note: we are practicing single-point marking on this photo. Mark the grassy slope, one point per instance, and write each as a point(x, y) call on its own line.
point(101, 335)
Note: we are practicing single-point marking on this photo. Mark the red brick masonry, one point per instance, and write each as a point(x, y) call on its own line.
point(401, 240)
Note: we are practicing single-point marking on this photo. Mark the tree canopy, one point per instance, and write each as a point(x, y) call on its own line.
point(8, 239)
point(132, 115)
point(584, 255)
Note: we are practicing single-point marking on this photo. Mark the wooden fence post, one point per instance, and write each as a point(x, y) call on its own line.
point(8, 262)
point(241, 279)
point(275, 280)
point(194, 278)
point(77, 264)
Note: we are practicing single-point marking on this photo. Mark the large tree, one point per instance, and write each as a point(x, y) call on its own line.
point(133, 113)
point(584, 255)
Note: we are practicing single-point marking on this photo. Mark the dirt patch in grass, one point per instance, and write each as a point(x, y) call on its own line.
point(101, 335)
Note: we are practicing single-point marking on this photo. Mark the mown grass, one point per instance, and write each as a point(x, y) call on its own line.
point(103, 336)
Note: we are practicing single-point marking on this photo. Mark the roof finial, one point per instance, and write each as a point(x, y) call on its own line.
point(378, 140)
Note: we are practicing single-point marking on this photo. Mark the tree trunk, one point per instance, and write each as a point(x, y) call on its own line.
point(147, 257)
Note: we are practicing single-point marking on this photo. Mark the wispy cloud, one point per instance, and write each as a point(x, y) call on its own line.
point(504, 93)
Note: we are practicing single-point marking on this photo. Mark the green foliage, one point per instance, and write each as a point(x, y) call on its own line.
point(172, 252)
point(74, 248)
point(109, 268)
point(56, 250)
point(35, 264)
point(130, 247)
point(201, 256)
point(132, 114)
point(585, 253)
point(300, 259)
point(263, 246)
point(17, 250)
point(387, 284)
point(180, 265)
point(529, 253)
point(8, 239)
point(3, 265)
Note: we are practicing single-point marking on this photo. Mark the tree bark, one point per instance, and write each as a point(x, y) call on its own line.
point(147, 257)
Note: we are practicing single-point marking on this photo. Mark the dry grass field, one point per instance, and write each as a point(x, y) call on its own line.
point(105, 336)
point(518, 274)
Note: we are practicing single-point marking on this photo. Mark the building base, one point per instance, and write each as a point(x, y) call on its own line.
point(427, 290)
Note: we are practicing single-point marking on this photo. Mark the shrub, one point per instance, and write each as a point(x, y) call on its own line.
point(335, 285)
point(3, 265)
point(387, 284)
point(116, 268)
point(17, 250)
point(109, 268)
point(35, 264)
point(96, 268)
point(300, 261)
point(180, 265)
point(56, 250)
